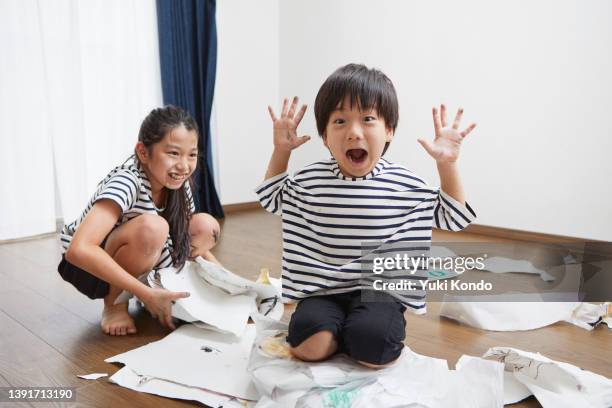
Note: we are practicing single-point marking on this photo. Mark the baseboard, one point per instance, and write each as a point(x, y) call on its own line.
point(232, 208)
point(520, 235)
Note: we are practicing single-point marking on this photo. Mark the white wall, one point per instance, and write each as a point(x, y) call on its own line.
point(247, 81)
point(535, 76)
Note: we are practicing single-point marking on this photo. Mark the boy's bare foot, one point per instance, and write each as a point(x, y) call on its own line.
point(116, 320)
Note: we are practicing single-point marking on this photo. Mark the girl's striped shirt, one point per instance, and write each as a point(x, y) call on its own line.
point(126, 185)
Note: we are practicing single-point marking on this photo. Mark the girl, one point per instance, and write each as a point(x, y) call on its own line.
point(140, 218)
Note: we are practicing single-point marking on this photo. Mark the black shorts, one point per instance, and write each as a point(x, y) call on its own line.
point(86, 283)
point(372, 332)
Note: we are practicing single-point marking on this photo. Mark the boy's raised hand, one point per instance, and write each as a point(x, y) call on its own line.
point(447, 141)
point(285, 127)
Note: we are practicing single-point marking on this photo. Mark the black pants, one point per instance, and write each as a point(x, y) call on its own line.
point(372, 332)
point(86, 283)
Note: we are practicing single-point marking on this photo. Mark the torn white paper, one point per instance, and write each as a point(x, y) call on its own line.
point(507, 316)
point(340, 381)
point(553, 383)
point(127, 378)
point(207, 303)
point(183, 357)
point(588, 315)
point(514, 316)
point(93, 376)
point(233, 284)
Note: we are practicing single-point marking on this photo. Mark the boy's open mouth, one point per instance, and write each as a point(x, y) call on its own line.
point(357, 156)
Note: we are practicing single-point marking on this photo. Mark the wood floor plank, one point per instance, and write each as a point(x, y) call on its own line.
point(27, 361)
point(45, 279)
point(20, 404)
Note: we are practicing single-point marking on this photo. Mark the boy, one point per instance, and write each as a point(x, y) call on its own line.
point(331, 207)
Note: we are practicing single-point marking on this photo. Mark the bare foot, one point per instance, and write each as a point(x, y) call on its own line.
point(116, 320)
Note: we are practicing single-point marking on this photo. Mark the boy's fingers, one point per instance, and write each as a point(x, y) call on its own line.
point(272, 115)
point(284, 110)
point(468, 130)
point(436, 120)
point(427, 146)
point(300, 114)
point(443, 115)
point(458, 118)
point(302, 140)
point(293, 106)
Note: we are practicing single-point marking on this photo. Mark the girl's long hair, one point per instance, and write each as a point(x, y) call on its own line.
point(178, 206)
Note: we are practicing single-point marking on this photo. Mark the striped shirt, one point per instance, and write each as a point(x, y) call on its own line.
point(126, 185)
point(327, 218)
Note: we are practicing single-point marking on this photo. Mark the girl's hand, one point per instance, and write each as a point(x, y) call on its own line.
point(285, 127)
point(447, 141)
point(159, 303)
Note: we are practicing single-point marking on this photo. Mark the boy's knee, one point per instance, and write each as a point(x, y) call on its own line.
point(372, 346)
point(204, 230)
point(317, 347)
point(152, 232)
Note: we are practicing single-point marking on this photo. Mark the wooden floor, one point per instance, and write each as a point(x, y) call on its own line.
point(49, 333)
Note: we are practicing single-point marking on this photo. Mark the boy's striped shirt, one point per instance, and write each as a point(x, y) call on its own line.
point(327, 217)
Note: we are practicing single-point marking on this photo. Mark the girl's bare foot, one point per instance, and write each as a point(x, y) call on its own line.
point(116, 320)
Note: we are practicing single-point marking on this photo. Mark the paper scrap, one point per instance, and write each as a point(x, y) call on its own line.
point(514, 316)
point(93, 376)
point(233, 284)
point(127, 378)
point(553, 383)
point(207, 303)
point(179, 358)
point(507, 316)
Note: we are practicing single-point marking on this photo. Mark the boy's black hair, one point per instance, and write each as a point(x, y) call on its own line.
point(367, 87)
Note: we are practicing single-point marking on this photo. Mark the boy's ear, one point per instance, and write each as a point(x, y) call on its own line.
point(389, 135)
point(324, 137)
point(142, 152)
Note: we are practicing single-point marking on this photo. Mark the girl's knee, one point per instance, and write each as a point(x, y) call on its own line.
point(317, 347)
point(151, 231)
point(204, 230)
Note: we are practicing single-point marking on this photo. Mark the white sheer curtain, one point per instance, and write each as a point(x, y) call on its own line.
point(76, 80)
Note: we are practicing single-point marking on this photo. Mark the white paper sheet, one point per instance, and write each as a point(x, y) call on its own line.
point(180, 357)
point(554, 384)
point(515, 316)
point(588, 315)
point(207, 303)
point(507, 316)
point(230, 282)
point(93, 376)
point(129, 379)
